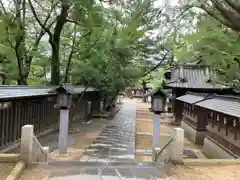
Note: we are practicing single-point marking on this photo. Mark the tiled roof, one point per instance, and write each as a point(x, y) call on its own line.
point(22, 91)
point(7, 92)
point(191, 98)
point(224, 104)
point(193, 77)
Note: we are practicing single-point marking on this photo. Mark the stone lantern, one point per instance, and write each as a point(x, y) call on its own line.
point(64, 102)
point(64, 97)
point(158, 103)
point(158, 107)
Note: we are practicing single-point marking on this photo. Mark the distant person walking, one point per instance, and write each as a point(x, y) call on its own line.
point(132, 94)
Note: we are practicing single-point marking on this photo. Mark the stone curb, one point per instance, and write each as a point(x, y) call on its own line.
point(210, 162)
point(6, 158)
point(18, 169)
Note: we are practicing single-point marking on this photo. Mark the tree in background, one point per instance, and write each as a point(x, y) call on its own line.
point(204, 30)
point(227, 12)
point(104, 44)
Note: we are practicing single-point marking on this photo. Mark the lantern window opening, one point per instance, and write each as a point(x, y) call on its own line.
point(195, 116)
point(189, 108)
point(159, 103)
point(225, 120)
point(193, 111)
point(235, 122)
point(184, 109)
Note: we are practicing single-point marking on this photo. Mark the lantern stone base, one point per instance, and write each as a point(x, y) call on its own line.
point(193, 135)
point(214, 151)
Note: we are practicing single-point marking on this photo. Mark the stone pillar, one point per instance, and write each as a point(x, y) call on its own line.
point(89, 107)
point(156, 131)
point(174, 101)
point(176, 146)
point(101, 106)
point(63, 130)
point(156, 136)
point(26, 149)
point(88, 111)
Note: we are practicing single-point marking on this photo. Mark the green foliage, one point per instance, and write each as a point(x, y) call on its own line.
point(103, 45)
point(216, 45)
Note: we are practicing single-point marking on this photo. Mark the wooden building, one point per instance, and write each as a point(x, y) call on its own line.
point(214, 122)
point(193, 118)
point(194, 78)
point(223, 128)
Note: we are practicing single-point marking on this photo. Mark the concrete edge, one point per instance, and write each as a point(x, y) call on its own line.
point(6, 158)
point(210, 162)
point(17, 170)
point(18, 142)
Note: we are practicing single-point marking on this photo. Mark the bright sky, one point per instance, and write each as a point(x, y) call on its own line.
point(159, 3)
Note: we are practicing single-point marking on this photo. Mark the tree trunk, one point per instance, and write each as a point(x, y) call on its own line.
point(55, 43)
point(144, 87)
point(230, 17)
point(55, 65)
point(68, 67)
point(22, 80)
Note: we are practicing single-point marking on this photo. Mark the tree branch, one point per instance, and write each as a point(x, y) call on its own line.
point(38, 20)
point(157, 66)
point(226, 13)
point(233, 5)
point(68, 66)
point(72, 21)
point(4, 10)
point(38, 38)
point(218, 18)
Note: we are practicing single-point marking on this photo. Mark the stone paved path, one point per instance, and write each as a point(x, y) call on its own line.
point(111, 155)
point(117, 141)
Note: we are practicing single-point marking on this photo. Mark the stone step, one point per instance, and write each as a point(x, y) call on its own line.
point(109, 174)
point(77, 164)
point(100, 171)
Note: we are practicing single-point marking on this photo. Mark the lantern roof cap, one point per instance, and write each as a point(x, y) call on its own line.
point(68, 88)
point(157, 91)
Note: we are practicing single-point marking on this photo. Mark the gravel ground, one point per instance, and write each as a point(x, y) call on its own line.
point(205, 173)
point(5, 169)
point(144, 126)
point(81, 141)
point(143, 142)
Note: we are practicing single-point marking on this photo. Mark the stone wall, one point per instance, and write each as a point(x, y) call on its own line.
point(214, 151)
point(192, 134)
